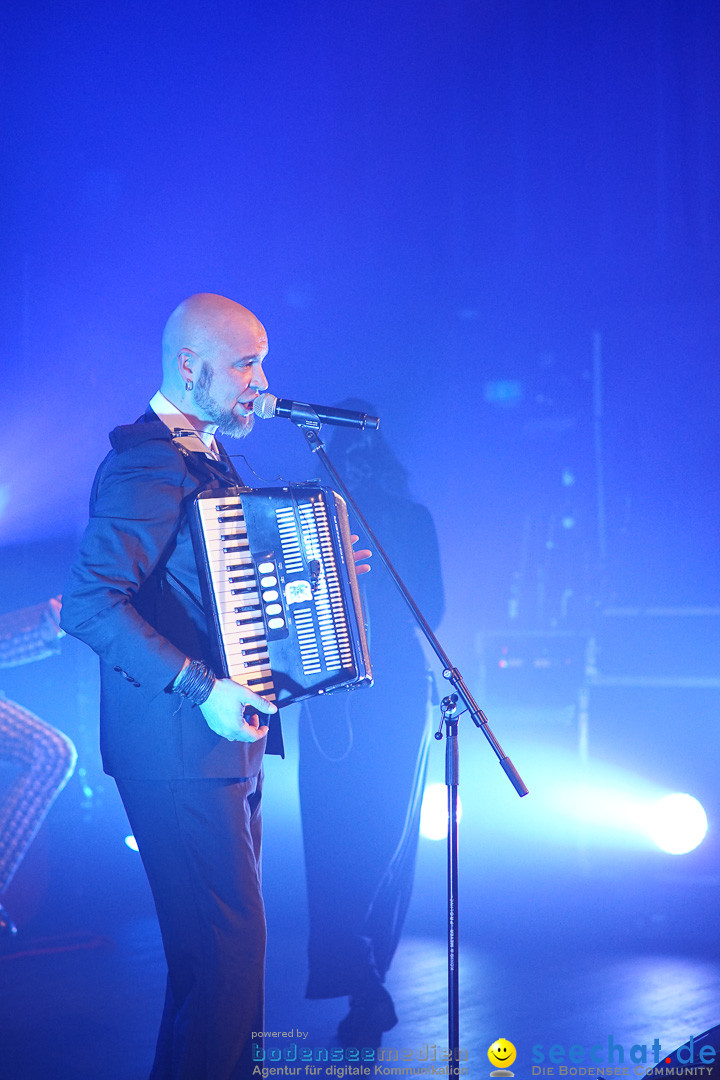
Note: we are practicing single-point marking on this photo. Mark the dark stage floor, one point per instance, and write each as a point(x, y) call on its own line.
point(88, 1012)
point(558, 947)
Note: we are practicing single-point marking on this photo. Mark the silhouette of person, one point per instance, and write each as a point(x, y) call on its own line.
point(363, 755)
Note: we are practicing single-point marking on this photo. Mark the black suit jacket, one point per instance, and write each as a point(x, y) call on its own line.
point(133, 596)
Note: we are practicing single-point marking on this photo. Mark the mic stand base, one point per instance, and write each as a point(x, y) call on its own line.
point(449, 709)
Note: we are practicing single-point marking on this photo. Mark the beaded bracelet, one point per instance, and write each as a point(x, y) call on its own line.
point(195, 683)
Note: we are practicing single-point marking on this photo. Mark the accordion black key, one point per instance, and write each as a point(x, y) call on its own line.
point(280, 589)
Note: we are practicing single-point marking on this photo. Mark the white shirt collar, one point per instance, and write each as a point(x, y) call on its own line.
point(191, 437)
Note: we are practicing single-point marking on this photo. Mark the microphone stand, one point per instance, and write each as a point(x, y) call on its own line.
point(310, 425)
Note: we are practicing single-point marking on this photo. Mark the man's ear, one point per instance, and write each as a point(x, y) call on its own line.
point(187, 362)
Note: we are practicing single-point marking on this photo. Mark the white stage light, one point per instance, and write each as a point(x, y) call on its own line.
point(677, 823)
point(131, 842)
point(434, 813)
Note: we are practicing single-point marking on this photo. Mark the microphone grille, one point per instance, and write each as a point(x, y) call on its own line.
point(264, 406)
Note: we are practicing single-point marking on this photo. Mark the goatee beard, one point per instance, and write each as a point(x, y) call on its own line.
point(230, 424)
point(227, 422)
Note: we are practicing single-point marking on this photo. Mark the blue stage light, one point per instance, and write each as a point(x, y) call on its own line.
point(677, 823)
point(600, 806)
point(434, 813)
point(630, 816)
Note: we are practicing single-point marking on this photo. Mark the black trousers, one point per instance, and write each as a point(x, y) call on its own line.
point(200, 845)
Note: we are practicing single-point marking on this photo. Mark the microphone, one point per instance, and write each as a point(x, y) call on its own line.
point(267, 405)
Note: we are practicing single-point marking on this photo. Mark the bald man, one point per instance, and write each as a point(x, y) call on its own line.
point(185, 747)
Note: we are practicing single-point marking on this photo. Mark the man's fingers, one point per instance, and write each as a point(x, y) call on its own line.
point(253, 722)
point(261, 704)
point(252, 732)
point(251, 718)
point(361, 567)
point(251, 700)
point(359, 554)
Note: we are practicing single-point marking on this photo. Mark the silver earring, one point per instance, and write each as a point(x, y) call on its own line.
point(188, 384)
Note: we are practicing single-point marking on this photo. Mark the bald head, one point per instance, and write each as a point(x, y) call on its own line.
point(202, 323)
point(212, 354)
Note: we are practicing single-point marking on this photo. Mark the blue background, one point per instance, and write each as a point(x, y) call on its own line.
point(497, 221)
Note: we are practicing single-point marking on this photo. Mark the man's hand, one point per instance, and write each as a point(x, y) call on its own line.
point(223, 712)
point(50, 628)
point(360, 567)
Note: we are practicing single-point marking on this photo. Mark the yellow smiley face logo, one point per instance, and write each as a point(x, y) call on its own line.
point(501, 1054)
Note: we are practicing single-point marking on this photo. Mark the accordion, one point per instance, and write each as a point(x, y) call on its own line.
point(280, 589)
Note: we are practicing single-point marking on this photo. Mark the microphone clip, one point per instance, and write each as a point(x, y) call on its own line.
point(305, 416)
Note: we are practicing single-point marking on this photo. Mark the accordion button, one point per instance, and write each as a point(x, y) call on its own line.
point(273, 609)
point(275, 624)
point(268, 582)
point(270, 595)
point(266, 567)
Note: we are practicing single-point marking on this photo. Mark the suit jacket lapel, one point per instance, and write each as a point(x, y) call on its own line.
point(223, 469)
